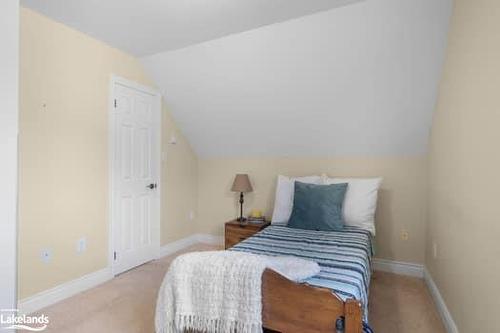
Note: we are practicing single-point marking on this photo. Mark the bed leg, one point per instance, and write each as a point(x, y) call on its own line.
point(353, 317)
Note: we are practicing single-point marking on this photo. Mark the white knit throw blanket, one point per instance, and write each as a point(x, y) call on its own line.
point(220, 291)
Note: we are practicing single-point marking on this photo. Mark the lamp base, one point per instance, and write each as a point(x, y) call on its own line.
point(241, 219)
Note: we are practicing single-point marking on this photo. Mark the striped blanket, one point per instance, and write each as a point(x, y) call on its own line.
point(344, 257)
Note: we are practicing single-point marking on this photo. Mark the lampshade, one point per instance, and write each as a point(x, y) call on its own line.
point(241, 184)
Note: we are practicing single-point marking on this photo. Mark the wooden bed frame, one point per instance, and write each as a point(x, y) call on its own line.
point(290, 307)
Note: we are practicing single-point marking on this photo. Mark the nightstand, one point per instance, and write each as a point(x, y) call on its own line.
point(235, 232)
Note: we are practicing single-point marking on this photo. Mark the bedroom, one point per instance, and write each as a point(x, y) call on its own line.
point(400, 95)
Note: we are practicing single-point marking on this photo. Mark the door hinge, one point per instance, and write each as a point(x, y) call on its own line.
point(115, 103)
point(114, 255)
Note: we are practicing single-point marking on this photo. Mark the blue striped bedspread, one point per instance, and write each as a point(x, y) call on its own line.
point(344, 256)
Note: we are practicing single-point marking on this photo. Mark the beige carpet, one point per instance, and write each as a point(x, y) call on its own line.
point(126, 304)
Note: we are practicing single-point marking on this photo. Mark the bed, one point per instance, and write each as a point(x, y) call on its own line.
point(340, 290)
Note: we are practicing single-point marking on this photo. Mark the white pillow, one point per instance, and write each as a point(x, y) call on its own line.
point(283, 202)
point(360, 201)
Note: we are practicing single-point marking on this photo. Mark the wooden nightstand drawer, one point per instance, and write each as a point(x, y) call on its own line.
point(235, 232)
point(232, 240)
point(242, 231)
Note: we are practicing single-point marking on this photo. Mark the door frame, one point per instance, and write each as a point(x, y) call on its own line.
point(156, 111)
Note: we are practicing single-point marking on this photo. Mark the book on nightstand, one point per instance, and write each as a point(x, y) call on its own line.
point(256, 220)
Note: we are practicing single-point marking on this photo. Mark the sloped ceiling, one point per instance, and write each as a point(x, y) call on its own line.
point(356, 80)
point(143, 27)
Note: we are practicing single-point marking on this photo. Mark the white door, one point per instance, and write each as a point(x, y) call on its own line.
point(135, 175)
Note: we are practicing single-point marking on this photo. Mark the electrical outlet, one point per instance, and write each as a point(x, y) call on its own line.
point(46, 255)
point(191, 215)
point(81, 245)
point(434, 250)
point(404, 235)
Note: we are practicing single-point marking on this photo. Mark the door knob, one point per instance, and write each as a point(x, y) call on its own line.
point(152, 186)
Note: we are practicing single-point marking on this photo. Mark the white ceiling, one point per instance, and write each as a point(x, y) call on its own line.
point(332, 77)
point(356, 80)
point(143, 27)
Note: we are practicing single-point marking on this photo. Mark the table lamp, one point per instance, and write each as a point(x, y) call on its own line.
point(241, 184)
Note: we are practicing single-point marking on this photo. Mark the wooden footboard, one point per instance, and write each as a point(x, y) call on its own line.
point(290, 307)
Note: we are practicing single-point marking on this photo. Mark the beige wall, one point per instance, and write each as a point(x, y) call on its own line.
point(401, 201)
point(464, 170)
point(63, 163)
point(180, 185)
point(63, 154)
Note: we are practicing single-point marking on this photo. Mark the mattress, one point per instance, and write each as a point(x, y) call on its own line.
point(344, 256)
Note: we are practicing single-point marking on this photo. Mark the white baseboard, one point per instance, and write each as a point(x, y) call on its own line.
point(186, 242)
point(398, 267)
point(417, 270)
point(210, 239)
point(178, 245)
point(448, 321)
point(65, 290)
